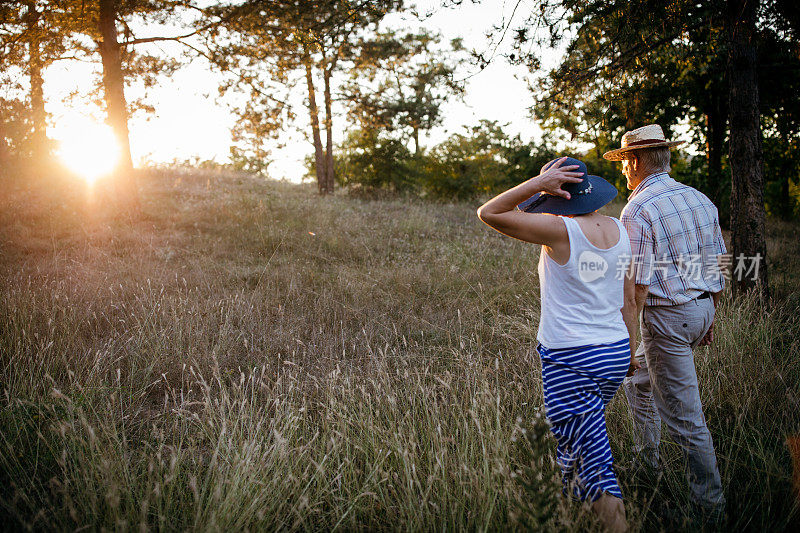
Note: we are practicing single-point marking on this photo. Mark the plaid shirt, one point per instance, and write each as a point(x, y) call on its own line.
point(675, 240)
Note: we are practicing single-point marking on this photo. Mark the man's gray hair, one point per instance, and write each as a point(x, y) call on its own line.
point(654, 159)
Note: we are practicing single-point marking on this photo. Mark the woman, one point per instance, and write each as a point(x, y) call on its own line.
point(588, 317)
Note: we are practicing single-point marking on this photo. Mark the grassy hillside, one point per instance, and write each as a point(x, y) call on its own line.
point(248, 355)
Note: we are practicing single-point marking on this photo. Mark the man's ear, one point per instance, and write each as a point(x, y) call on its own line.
point(633, 161)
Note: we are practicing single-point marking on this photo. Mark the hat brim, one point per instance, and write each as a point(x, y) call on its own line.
point(619, 153)
point(580, 204)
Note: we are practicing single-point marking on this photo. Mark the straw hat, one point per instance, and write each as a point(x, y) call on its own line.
point(650, 136)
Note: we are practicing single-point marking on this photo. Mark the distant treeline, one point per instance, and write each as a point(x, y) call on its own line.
point(484, 160)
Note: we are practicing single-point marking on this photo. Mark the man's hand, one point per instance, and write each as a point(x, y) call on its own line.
point(708, 338)
point(634, 366)
point(551, 180)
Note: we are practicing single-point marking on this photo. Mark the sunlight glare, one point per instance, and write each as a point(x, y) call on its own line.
point(89, 149)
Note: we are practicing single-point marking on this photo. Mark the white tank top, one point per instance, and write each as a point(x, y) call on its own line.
point(582, 299)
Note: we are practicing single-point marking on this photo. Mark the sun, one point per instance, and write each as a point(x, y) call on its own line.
point(89, 149)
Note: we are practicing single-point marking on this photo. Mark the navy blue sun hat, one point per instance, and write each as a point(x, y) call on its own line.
point(585, 197)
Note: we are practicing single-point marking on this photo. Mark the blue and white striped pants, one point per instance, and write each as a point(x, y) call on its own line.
point(578, 384)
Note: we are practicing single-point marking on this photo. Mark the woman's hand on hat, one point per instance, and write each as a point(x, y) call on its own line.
point(551, 180)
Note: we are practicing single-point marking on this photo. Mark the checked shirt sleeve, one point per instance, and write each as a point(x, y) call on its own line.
point(640, 232)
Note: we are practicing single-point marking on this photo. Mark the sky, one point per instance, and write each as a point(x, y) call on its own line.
point(191, 121)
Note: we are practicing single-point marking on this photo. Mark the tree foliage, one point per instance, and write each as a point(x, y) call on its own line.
point(270, 47)
point(399, 82)
point(627, 63)
point(32, 37)
point(92, 30)
point(633, 62)
point(479, 160)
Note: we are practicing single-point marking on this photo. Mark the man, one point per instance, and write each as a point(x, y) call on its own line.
point(675, 241)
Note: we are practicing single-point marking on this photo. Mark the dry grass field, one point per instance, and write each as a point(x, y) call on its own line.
point(247, 356)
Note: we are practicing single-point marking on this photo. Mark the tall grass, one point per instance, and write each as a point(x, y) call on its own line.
point(245, 355)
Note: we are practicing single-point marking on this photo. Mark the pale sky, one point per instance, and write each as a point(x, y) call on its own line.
point(190, 121)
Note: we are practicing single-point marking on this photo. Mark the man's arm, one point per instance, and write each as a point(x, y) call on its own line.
point(640, 233)
point(639, 228)
point(708, 338)
point(721, 254)
point(641, 297)
point(721, 251)
point(631, 317)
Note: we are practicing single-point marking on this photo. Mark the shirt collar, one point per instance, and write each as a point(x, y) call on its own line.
point(649, 180)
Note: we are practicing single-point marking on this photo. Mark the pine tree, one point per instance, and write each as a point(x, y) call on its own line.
point(31, 39)
point(272, 45)
point(401, 82)
point(109, 23)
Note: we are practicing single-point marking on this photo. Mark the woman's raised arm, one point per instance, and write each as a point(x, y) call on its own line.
point(500, 212)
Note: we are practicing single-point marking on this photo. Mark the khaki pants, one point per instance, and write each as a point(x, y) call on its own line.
point(665, 389)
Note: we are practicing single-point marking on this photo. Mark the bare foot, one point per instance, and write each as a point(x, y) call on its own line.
point(611, 513)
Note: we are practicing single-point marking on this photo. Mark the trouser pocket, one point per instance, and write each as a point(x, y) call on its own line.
point(669, 321)
point(686, 323)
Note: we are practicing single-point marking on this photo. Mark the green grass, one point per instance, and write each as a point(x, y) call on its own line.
point(246, 355)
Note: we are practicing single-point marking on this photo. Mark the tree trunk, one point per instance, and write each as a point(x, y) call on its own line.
point(415, 135)
point(37, 102)
point(38, 114)
point(5, 153)
point(319, 164)
point(747, 202)
point(716, 121)
point(330, 176)
point(116, 106)
point(716, 137)
point(786, 206)
point(632, 118)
